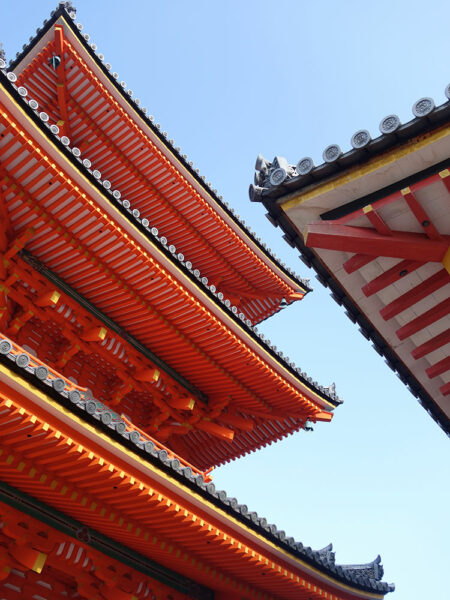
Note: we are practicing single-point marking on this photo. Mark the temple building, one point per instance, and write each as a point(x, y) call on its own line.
point(374, 223)
point(130, 360)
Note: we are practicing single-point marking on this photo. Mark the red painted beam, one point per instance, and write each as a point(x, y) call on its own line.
point(376, 220)
point(418, 211)
point(417, 293)
point(437, 342)
point(61, 83)
point(439, 311)
point(357, 261)
point(362, 240)
point(393, 274)
point(445, 176)
point(445, 389)
point(440, 367)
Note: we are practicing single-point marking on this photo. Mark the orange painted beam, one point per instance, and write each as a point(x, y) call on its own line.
point(63, 123)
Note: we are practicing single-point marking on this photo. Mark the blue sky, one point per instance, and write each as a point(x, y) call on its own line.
point(228, 80)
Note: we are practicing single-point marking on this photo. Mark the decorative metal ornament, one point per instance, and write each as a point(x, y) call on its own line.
point(331, 153)
point(278, 176)
point(65, 140)
point(423, 107)
point(389, 124)
point(54, 129)
point(12, 77)
point(360, 139)
point(96, 173)
point(126, 204)
point(87, 163)
point(33, 104)
point(22, 91)
point(54, 62)
point(76, 151)
point(304, 166)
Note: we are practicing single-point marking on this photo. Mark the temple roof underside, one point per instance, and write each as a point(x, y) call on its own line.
point(374, 224)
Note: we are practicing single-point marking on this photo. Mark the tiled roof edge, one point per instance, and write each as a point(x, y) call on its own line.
point(102, 418)
point(66, 9)
point(151, 233)
point(278, 178)
point(307, 256)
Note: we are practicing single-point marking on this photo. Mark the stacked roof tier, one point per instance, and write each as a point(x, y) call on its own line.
point(129, 361)
point(134, 320)
point(135, 511)
point(82, 95)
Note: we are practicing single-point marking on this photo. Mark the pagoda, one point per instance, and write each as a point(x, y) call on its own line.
point(374, 223)
point(130, 360)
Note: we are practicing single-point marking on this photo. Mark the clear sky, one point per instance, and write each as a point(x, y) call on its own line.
point(231, 79)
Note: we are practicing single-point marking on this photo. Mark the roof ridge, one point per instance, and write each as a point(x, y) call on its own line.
point(279, 177)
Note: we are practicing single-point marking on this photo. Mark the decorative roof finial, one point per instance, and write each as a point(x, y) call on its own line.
point(70, 8)
point(2, 52)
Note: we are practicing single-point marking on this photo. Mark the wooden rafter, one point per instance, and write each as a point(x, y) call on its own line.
point(420, 291)
point(432, 315)
point(41, 74)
